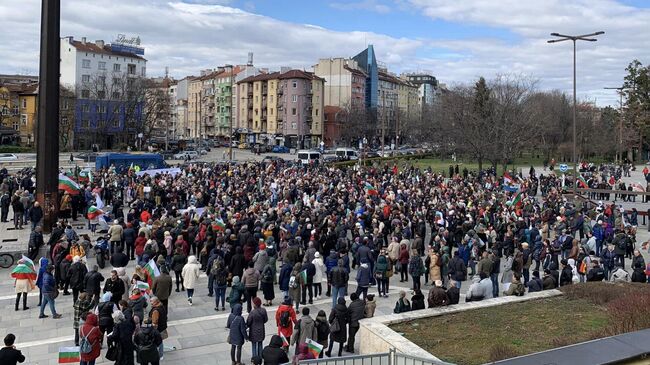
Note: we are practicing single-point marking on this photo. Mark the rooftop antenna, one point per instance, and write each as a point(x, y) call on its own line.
point(250, 58)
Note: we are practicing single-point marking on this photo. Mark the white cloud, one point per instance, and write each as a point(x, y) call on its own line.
point(370, 5)
point(599, 64)
point(188, 37)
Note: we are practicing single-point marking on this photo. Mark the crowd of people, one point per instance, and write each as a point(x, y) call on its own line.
point(261, 230)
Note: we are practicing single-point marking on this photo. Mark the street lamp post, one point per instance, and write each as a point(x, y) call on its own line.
point(619, 144)
point(562, 38)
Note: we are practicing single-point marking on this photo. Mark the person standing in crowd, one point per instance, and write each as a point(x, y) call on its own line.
point(115, 286)
point(9, 355)
point(267, 278)
point(130, 236)
point(158, 316)
point(356, 311)
point(147, 339)
point(50, 292)
point(296, 284)
point(381, 275)
point(81, 308)
point(338, 319)
point(339, 282)
point(115, 233)
point(322, 330)
point(320, 270)
point(370, 307)
point(92, 283)
point(255, 323)
point(415, 268)
point(190, 276)
point(437, 295)
point(162, 287)
point(251, 281)
point(122, 336)
point(285, 318)
point(179, 260)
point(363, 279)
point(90, 334)
point(237, 335)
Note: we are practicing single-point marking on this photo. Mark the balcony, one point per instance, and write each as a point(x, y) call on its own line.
point(265, 90)
point(250, 104)
point(280, 90)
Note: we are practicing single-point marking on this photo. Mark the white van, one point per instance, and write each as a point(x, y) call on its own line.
point(308, 156)
point(347, 154)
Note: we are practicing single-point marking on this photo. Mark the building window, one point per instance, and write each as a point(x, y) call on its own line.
point(294, 98)
point(85, 108)
point(293, 111)
point(65, 104)
point(143, 70)
point(271, 111)
point(85, 78)
point(24, 103)
point(116, 109)
point(101, 80)
point(85, 63)
point(101, 94)
point(116, 94)
point(116, 67)
point(293, 125)
point(15, 110)
point(101, 109)
point(116, 123)
point(85, 123)
point(130, 69)
point(116, 81)
point(316, 112)
point(23, 119)
point(101, 65)
point(15, 125)
point(85, 93)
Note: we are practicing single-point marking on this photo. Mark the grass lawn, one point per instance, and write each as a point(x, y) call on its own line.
point(495, 333)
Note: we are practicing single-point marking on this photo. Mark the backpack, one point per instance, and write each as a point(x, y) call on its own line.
point(147, 343)
point(285, 319)
point(85, 346)
point(267, 276)
point(214, 270)
point(222, 277)
point(293, 282)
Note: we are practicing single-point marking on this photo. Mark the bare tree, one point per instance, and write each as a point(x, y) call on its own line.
point(67, 101)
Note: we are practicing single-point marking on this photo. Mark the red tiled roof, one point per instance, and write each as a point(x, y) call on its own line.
point(94, 48)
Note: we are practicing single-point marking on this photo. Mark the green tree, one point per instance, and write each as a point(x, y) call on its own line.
point(637, 105)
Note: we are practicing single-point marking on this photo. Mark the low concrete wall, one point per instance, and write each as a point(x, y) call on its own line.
point(376, 336)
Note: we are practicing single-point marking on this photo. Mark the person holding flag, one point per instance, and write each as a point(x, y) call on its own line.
point(24, 274)
point(274, 354)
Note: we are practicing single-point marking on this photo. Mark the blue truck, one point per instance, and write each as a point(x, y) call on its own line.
point(122, 161)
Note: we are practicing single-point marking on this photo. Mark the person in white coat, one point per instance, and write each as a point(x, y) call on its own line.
point(318, 276)
point(190, 276)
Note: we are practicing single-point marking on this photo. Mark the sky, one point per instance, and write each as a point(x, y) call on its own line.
point(456, 41)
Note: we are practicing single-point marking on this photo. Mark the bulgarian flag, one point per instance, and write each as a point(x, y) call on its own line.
point(303, 275)
point(152, 270)
point(23, 271)
point(582, 182)
point(314, 347)
point(142, 286)
point(69, 355)
point(516, 199)
point(370, 190)
point(27, 261)
point(94, 212)
point(218, 225)
point(68, 185)
point(85, 176)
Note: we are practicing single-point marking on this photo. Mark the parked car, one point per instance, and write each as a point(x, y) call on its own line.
point(8, 157)
point(280, 149)
point(261, 148)
point(347, 154)
point(87, 156)
point(185, 154)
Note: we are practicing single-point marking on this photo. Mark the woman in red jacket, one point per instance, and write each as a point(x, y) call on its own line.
point(90, 329)
point(140, 242)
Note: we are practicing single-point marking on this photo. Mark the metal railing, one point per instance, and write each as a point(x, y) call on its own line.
point(386, 358)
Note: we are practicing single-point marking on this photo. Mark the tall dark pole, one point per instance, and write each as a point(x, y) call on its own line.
point(47, 136)
point(561, 38)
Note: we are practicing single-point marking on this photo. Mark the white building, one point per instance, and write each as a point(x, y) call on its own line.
point(82, 61)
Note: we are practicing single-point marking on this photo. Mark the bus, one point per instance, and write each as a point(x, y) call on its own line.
point(122, 161)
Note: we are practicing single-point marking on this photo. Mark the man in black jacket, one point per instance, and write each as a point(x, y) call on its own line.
point(357, 310)
point(8, 354)
point(457, 269)
point(119, 258)
point(35, 215)
point(339, 278)
point(35, 243)
point(115, 285)
point(596, 273)
point(76, 275)
point(92, 282)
